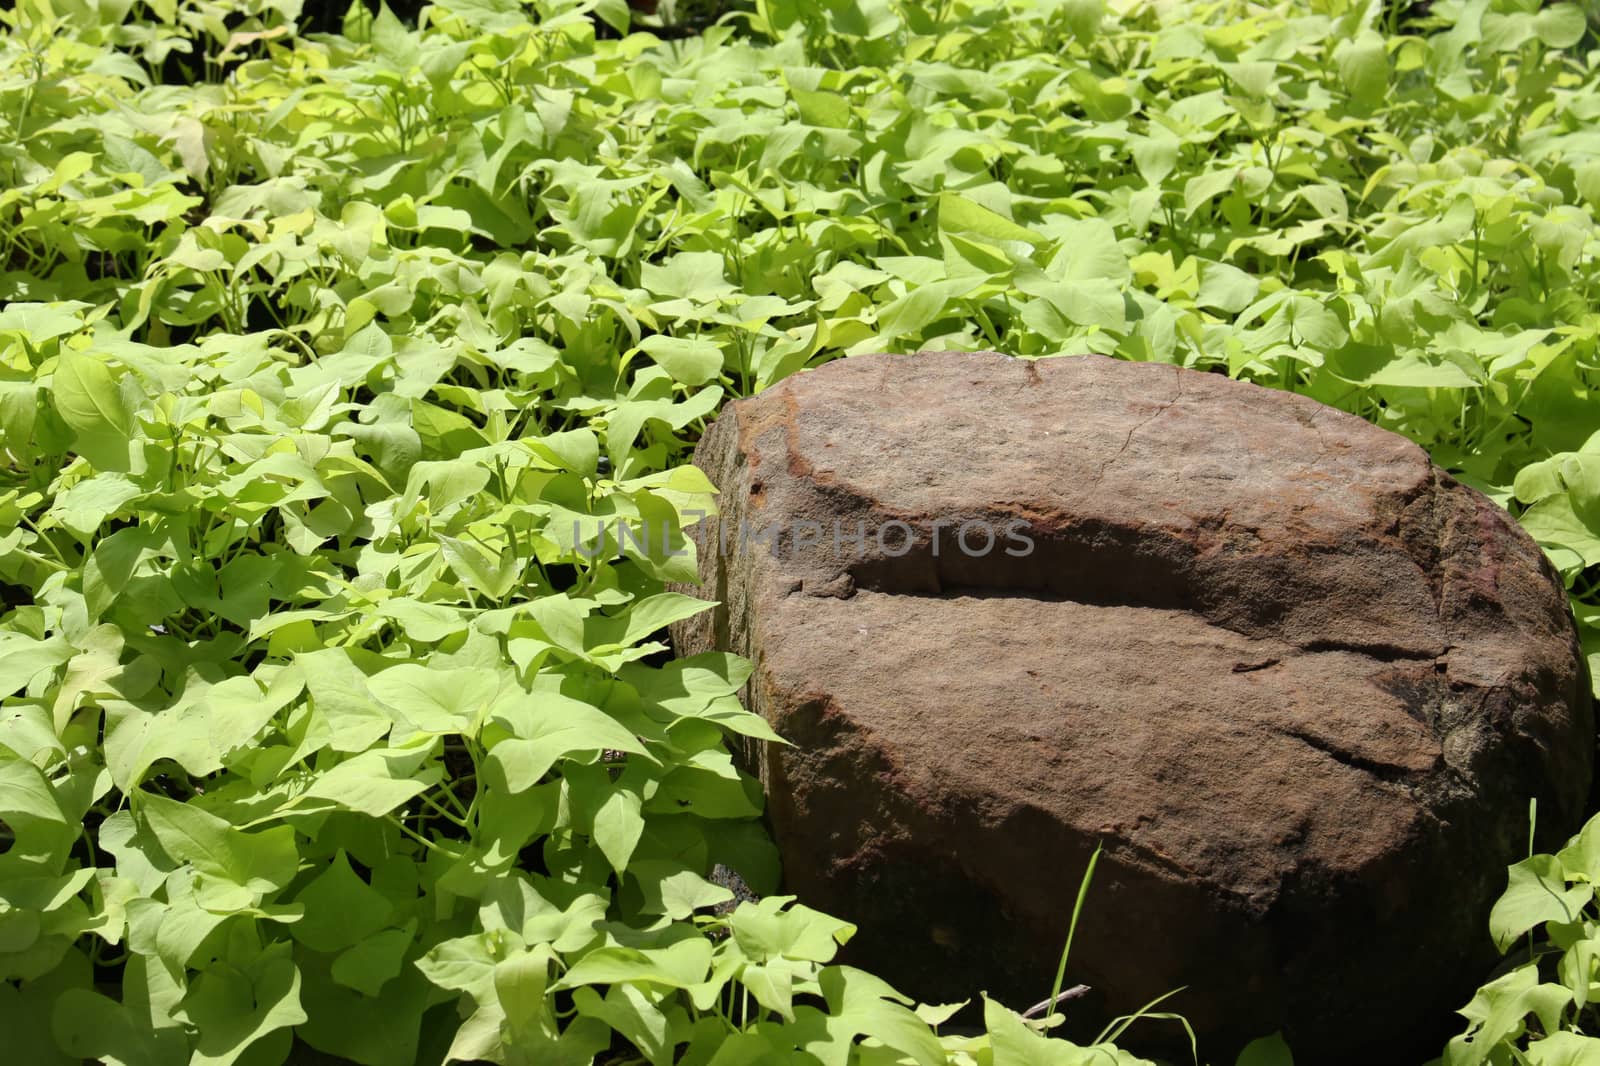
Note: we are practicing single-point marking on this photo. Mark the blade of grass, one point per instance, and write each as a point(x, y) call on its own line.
point(1072, 927)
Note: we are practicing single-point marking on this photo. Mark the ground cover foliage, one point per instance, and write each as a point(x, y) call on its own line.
point(328, 359)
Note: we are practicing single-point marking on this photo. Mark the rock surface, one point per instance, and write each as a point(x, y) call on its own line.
point(1297, 681)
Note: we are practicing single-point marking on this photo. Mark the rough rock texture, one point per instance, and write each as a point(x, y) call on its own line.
point(1298, 681)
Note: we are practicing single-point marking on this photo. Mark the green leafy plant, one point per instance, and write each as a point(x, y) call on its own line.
point(1541, 1010)
point(334, 709)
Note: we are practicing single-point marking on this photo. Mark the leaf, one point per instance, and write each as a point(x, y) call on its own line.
point(26, 1007)
point(1088, 251)
point(426, 622)
point(767, 929)
point(393, 43)
point(1155, 155)
point(464, 964)
point(435, 701)
point(1554, 522)
point(1078, 301)
point(373, 782)
point(773, 986)
point(1581, 857)
point(1364, 67)
point(577, 450)
point(629, 417)
point(547, 727)
point(860, 1004)
point(495, 576)
point(618, 825)
point(629, 1011)
point(1014, 1043)
point(671, 890)
point(1407, 369)
point(1202, 188)
point(922, 306)
point(341, 910)
point(40, 829)
point(957, 214)
point(1537, 892)
point(86, 506)
point(190, 138)
point(1314, 323)
point(233, 1010)
point(41, 322)
point(1560, 25)
point(22, 658)
point(87, 1025)
point(1564, 1049)
point(341, 698)
point(1498, 1012)
point(822, 108)
point(688, 275)
point(680, 965)
point(652, 614)
point(86, 397)
point(374, 960)
point(1225, 288)
point(1266, 1051)
point(690, 362)
point(260, 862)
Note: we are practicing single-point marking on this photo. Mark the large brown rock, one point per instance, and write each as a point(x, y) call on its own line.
point(1298, 682)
